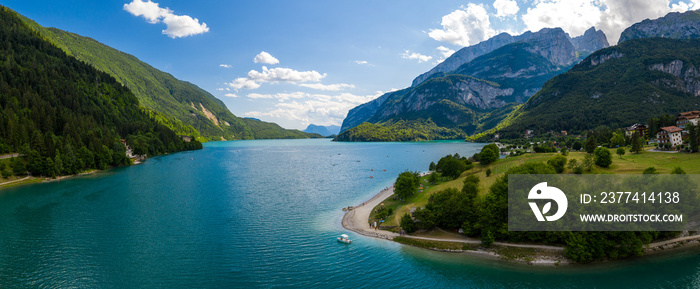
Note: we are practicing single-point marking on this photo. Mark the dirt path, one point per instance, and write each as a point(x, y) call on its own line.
point(357, 220)
point(674, 240)
point(17, 180)
point(8, 156)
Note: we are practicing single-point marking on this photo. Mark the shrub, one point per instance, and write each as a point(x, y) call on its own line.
point(488, 172)
point(602, 157)
point(558, 162)
point(650, 171)
point(407, 223)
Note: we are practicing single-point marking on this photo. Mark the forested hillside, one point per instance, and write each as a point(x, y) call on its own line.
point(64, 115)
point(616, 87)
point(179, 105)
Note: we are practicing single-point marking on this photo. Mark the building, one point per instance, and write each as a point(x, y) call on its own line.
point(638, 128)
point(529, 133)
point(684, 118)
point(670, 134)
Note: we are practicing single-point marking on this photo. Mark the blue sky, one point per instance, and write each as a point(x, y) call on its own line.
point(321, 57)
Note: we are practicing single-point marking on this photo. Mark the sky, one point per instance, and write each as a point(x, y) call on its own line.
point(305, 62)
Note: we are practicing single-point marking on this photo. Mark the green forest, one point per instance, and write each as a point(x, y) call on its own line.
point(177, 104)
point(617, 92)
point(63, 115)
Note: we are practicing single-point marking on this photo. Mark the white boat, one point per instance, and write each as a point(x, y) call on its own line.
point(344, 239)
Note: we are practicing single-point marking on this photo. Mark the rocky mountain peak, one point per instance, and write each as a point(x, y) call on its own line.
point(592, 40)
point(674, 25)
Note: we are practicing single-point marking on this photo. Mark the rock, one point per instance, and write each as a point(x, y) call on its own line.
point(674, 25)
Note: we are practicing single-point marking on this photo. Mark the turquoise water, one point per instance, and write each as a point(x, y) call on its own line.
point(259, 214)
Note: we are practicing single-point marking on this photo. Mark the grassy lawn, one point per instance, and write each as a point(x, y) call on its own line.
point(628, 164)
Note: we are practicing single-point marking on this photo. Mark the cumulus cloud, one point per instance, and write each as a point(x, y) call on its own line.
point(176, 25)
point(327, 87)
point(505, 8)
point(266, 58)
point(225, 65)
point(445, 52)
point(231, 95)
point(307, 108)
point(360, 62)
point(612, 16)
point(243, 82)
point(417, 56)
point(275, 75)
point(464, 26)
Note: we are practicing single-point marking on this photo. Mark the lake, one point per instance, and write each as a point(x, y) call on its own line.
point(247, 214)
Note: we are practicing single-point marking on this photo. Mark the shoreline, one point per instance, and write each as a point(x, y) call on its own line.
point(356, 219)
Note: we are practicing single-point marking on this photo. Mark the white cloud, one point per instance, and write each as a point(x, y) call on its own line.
point(360, 62)
point(445, 52)
point(417, 56)
point(243, 82)
point(220, 89)
point(464, 26)
point(176, 25)
point(275, 75)
point(225, 65)
point(231, 95)
point(327, 87)
point(266, 58)
point(506, 8)
point(312, 108)
point(611, 16)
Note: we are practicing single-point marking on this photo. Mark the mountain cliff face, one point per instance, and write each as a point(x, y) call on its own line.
point(467, 54)
point(616, 87)
point(674, 25)
point(459, 99)
point(591, 41)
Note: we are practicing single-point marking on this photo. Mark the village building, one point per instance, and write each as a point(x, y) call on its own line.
point(685, 118)
point(636, 128)
point(670, 134)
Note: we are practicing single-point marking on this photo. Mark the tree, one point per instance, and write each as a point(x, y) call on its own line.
point(693, 136)
point(558, 162)
point(620, 151)
point(602, 157)
point(590, 145)
point(407, 224)
point(453, 168)
point(575, 166)
point(617, 140)
point(406, 184)
point(576, 146)
point(431, 167)
point(636, 143)
point(18, 167)
point(650, 171)
point(587, 162)
point(433, 178)
point(678, 171)
point(487, 239)
point(489, 154)
point(488, 172)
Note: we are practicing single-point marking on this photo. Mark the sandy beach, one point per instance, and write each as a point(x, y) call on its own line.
point(357, 218)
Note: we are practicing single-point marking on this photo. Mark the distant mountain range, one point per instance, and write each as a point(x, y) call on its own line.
point(478, 91)
point(179, 105)
point(621, 85)
point(474, 89)
point(326, 130)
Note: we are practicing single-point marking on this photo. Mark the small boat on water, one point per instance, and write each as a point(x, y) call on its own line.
point(344, 239)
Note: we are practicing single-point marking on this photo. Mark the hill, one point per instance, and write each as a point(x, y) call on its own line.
point(65, 116)
point(179, 105)
point(615, 87)
point(475, 96)
point(326, 130)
